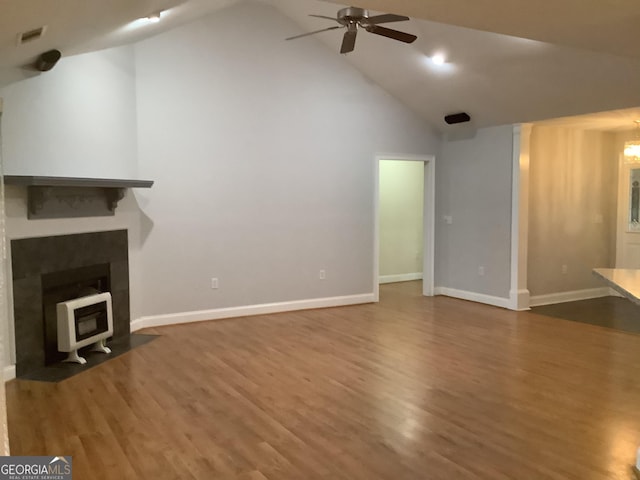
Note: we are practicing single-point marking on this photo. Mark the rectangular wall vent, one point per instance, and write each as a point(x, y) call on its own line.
point(31, 35)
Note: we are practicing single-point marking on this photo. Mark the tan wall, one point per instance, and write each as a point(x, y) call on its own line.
point(572, 216)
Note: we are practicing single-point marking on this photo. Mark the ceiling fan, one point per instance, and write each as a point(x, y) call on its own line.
point(353, 18)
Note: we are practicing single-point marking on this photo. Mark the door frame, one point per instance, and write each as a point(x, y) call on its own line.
point(428, 220)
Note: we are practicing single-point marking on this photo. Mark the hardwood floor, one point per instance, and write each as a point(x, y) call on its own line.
point(411, 388)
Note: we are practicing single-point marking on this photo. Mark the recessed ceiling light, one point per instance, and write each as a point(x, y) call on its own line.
point(146, 21)
point(439, 64)
point(155, 17)
point(439, 59)
point(151, 18)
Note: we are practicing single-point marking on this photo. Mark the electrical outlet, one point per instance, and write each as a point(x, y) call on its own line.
point(322, 275)
point(214, 283)
point(565, 269)
point(448, 219)
point(481, 271)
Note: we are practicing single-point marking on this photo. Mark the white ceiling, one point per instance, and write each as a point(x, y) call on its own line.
point(609, 26)
point(79, 26)
point(497, 79)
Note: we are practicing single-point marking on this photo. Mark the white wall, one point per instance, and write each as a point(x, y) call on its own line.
point(473, 187)
point(263, 155)
point(401, 211)
point(76, 120)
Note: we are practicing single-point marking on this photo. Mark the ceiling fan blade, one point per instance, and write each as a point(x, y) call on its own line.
point(394, 34)
point(313, 33)
point(325, 17)
point(349, 40)
point(386, 18)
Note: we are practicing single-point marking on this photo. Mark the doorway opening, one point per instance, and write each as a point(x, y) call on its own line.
point(404, 199)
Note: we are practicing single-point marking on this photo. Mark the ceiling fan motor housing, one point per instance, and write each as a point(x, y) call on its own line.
point(352, 15)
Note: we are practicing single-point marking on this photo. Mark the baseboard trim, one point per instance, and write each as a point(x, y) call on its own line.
point(520, 300)
point(9, 372)
point(402, 277)
point(474, 297)
point(572, 296)
point(244, 311)
point(613, 293)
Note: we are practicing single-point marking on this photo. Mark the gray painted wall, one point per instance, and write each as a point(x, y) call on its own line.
point(76, 120)
point(473, 187)
point(263, 155)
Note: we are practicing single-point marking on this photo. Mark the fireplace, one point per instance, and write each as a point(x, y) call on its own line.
point(47, 271)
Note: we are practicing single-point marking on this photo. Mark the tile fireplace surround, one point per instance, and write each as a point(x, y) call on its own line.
point(38, 263)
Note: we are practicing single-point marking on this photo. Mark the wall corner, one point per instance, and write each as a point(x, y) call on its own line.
point(519, 294)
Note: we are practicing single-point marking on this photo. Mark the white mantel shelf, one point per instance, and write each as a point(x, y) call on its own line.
point(67, 197)
point(623, 280)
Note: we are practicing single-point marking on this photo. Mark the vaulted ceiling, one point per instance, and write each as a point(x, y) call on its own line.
point(608, 26)
point(508, 61)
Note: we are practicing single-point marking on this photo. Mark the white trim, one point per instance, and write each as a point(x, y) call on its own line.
point(9, 372)
point(474, 297)
point(622, 210)
point(518, 293)
point(428, 266)
point(519, 300)
point(401, 277)
point(613, 293)
point(429, 234)
point(247, 310)
point(572, 296)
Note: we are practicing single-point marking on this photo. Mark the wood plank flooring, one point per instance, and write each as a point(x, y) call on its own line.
point(410, 388)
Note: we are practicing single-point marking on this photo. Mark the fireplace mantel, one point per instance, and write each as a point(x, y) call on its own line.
point(41, 181)
point(65, 197)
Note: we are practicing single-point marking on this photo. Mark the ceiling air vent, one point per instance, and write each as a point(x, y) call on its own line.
point(31, 35)
point(454, 118)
